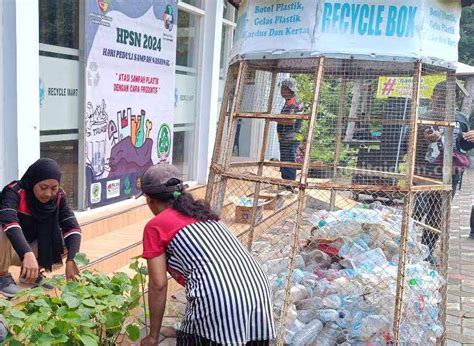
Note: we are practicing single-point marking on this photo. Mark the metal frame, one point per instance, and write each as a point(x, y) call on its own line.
point(222, 169)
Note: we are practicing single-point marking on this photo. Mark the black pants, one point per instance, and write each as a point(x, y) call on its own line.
point(472, 220)
point(196, 340)
point(429, 205)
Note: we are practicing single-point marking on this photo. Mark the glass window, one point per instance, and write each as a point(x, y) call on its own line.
point(229, 11)
point(196, 3)
point(186, 92)
point(59, 89)
point(66, 154)
point(59, 23)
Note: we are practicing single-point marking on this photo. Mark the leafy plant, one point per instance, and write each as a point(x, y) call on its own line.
point(323, 142)
point(94, 310)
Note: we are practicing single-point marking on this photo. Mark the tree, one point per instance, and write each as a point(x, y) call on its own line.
point(466, 44)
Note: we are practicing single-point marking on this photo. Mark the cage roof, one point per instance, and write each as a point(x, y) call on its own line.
point(389, 30)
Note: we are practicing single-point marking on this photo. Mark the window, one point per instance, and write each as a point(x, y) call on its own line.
point(187, 49)
point(59, 85)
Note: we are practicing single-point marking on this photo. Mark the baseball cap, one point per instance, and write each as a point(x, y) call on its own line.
point(154, 180)
point(290, 83)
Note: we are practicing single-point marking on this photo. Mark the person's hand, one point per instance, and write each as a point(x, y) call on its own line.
point(150, 340)
point(30, 268)
point(468, 136)
point(432, 136)
point(71, 270)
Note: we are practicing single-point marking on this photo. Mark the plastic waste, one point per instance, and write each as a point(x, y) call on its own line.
point(329, 335)
point(332, 302)
point(329, 315)
point(308, 334)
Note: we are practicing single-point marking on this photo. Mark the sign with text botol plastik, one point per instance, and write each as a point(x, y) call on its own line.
point(130, 82)
point(419, 29)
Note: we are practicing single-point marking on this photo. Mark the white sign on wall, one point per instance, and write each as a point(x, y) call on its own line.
point(59, 93)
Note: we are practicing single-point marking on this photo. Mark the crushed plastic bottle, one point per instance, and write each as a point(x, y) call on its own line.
point(329, 315)
point(308, 334)
point(3, 329)
point(329, 335)
point(332, 301)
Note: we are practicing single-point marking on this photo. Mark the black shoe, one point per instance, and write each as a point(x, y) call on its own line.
point(39, 282)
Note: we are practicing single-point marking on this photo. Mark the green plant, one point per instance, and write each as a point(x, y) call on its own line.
point(323, 142)
point(94, 310)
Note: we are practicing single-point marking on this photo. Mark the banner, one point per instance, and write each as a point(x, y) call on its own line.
point(403, 86)
point(130, 83)
point(418, 29)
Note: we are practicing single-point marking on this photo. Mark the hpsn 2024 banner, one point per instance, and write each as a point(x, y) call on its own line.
point(130, 83)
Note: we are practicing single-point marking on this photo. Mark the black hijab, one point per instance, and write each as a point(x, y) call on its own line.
point(46, 215)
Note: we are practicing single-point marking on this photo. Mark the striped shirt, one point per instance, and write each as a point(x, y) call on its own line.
point(227, 292)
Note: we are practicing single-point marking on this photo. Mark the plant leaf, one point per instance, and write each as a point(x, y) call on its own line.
point(71, 301)
point(81, 259)
point(113, 320)
point(133, 332)
point(89, 340)
point(17, 313)
point(89, 303)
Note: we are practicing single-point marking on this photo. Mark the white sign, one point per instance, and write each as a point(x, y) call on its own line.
point(130, 89)
point(427, 29)
point(59, 93)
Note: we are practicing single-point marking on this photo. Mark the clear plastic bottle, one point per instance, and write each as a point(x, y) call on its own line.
point(329, 335)
point(308, 335)
point(329, 315)
point(3, 329)
point(332, 301)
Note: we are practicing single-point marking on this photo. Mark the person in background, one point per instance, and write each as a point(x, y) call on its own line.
point(287, 129)
point(428, 205)
point(228, 294)
point(36, 220)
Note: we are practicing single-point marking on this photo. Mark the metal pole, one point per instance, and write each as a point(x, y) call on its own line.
point(261, 162)
point(408, 204)
point(318, 78)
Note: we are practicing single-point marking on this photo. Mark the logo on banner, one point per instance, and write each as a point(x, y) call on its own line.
point(164, 142)
point(113, 188)
point(395, 86)
point(168, 17)
point(127, 186)
point(96, 193)
point(104, 5)
point(42, 92)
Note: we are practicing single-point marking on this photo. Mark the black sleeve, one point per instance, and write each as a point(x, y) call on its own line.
point(70, 227)
point(10, 222)
point(465, 145)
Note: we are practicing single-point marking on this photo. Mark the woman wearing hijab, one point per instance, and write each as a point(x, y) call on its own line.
point(227, 292)
point(35, 219)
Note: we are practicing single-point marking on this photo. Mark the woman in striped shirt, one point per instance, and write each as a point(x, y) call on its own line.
point(227, 292)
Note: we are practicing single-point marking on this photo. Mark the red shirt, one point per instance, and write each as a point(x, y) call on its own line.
point(160, 230)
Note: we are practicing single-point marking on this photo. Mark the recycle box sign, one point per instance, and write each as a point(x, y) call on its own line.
point(129, 99)
point(413, 29)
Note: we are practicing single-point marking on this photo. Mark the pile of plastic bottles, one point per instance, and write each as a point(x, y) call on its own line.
point(345, 280)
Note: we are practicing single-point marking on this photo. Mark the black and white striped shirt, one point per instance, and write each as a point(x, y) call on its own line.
point(228, 294)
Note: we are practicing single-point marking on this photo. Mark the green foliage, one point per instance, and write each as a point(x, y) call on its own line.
point(323, 142)
point(94, 310)
point(466, 43)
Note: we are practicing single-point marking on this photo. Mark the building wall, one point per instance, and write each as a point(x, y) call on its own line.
point(29, 129)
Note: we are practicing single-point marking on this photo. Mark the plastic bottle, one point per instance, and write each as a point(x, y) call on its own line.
point(329, 315)
point(332, 302)
point(308, 334)
point(372, 325)
point(329, 335)
point(312, 303)
point(307, 316)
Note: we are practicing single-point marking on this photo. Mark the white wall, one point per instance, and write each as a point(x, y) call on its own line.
point(19, 78)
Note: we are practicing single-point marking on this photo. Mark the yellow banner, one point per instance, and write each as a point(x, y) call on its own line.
point(402, 86)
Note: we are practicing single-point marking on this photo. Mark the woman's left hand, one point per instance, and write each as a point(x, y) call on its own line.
point(149, 340)
point(71, 270)
point(469, 136)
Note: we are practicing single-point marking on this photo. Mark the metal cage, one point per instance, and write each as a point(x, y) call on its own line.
point(351, 219)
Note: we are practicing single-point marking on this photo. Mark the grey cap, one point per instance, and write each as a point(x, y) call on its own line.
point(290, 83)
point(154, 180)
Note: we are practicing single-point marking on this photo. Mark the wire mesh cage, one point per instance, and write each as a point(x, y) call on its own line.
point(337, 175)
